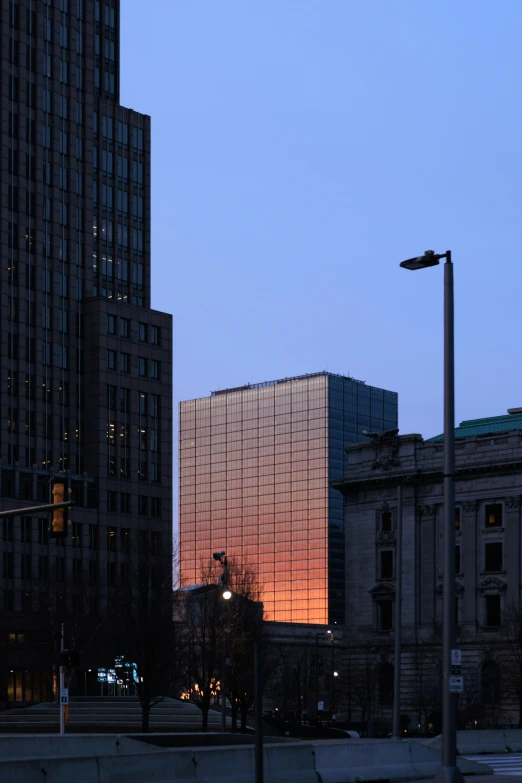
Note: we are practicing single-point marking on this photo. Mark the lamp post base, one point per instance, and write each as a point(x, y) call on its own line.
point(448, 775)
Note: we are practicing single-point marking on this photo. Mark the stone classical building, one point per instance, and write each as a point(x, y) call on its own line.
point(488, 556)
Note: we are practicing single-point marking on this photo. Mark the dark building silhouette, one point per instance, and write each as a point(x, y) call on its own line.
point(256, 464)
point(85, 363)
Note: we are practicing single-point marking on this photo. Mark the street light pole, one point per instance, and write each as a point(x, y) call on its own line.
point(448, 772)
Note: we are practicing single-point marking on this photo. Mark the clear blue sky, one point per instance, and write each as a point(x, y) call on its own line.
point(301, 149)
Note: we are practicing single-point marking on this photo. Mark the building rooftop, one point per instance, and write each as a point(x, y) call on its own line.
point(284, 380)
point(493, 425)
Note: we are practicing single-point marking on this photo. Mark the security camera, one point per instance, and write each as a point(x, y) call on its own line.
point(218, 555)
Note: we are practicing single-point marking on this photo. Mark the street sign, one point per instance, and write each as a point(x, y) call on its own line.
point(456, 657)
point(456, 684)
point(64, 695)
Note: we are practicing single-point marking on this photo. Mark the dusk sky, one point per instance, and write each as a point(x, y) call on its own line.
point(300, 150)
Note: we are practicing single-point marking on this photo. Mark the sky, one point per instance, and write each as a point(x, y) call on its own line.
point(300, 150)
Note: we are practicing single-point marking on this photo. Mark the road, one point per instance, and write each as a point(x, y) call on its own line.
point(502, 763)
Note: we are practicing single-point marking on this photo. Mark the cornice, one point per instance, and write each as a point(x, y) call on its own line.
point(422, 478)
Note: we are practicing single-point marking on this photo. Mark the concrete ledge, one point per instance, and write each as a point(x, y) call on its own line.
point(484, 741)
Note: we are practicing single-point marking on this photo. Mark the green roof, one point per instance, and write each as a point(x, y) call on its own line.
point(494, 425)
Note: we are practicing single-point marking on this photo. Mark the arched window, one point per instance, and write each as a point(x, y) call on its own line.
point(490, 683)
point(386, 683)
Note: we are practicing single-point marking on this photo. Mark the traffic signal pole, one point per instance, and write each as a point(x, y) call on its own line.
point(13, 512)
point(62, 681)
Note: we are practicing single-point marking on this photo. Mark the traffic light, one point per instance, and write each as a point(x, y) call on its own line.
point(70, 659)
point(59, 521)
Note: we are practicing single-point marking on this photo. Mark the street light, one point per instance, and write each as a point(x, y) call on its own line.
point(448, 772)
point(227, 595)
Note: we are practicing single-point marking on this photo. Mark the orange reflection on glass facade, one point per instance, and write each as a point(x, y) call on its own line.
point(255, 466)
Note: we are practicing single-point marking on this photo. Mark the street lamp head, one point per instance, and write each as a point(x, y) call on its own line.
point(218, 555)
point(421, 262)
point(336, 674)
point(328, 631)
point(227, 595)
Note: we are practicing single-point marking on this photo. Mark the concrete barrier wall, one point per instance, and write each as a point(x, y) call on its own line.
point(20, 746)
point(329, 762)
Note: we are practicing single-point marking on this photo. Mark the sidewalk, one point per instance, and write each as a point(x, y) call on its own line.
point(476, 779)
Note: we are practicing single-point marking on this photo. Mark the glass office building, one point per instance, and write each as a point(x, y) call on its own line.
point(255, 465)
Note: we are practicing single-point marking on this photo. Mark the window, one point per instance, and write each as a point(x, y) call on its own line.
point(8, 565)
point(493, 556)
point(111, 500)
point(111, 360)
point(457, 560)
point(123, 171)
point(385, 615)
point(26, 530)
point(124, 327)
point(143, 332)
point(111, 574)
point(457, 519)
point(43, 530)
point(125, 540)
point(143, 503)
point(77, 535)
point(143, 404)
point(494, 515)
point(490, 683)
point(155, 541)
point(385, 684)
point(155, 405)
point(63, 36)
point(25, 566)
point(155, 509)
point(155, 369)
point(155, 335)
point(123, 133)
point(111, 539)
point(111, 324)
point(124, 362)
point(93, 537)
point(77, 570)
point(386, 571)
point(125, 503)
point(93, 571)
point(143, 367)
point(124, 400)
point(155, 472)
point(62, 107)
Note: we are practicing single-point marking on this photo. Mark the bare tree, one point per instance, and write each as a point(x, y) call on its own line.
point(364, 681)
point(216, 630)
point(202, 629)
point(512, 659)
point(145, 634)
point(427, 678)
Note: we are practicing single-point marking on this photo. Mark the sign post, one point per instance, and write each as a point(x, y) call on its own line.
point(456, 680)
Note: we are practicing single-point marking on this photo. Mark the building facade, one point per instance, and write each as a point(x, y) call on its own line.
point(85, 363)
point(256, 464)
point(488, 558)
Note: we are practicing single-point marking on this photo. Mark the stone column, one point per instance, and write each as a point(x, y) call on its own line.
point(469, 559)
point(512, 549)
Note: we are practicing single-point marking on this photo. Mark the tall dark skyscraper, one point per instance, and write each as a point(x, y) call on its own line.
point(256, 464)
point(86, 367)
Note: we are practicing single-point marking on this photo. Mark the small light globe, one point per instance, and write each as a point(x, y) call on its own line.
point(336, 674)
point(227, 595)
